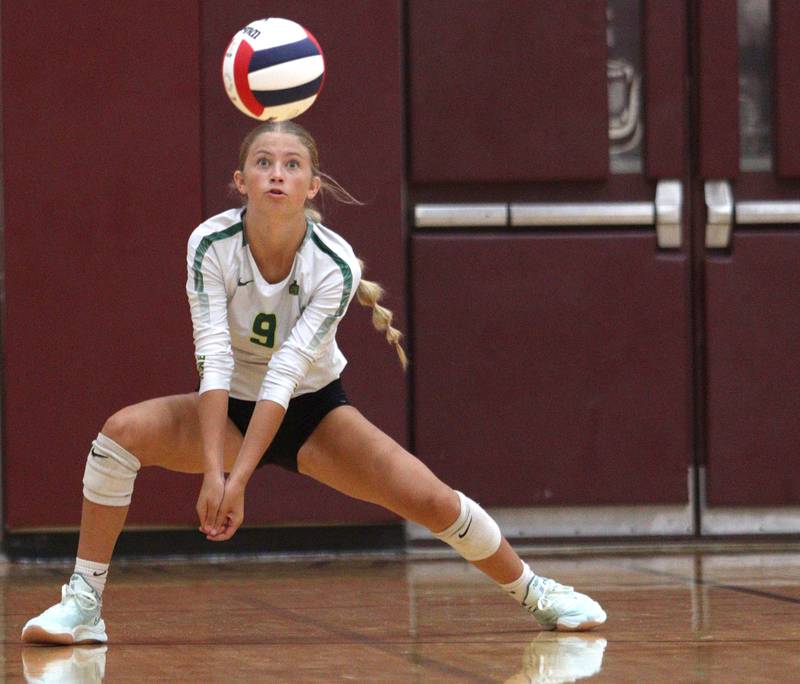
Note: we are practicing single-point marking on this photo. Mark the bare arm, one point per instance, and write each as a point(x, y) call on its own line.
point(208, 303)
point(265, 422)
point(213, 412)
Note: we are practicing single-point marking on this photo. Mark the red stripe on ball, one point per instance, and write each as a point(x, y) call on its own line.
point(241, 62)
point(322, 56)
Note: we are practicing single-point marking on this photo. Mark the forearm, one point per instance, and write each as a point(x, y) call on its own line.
point(213, 410)
point(264, 423)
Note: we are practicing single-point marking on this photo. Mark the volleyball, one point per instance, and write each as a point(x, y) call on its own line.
point(273, 69)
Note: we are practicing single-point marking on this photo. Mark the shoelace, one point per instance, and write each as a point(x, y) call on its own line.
point(84, 599)
point(543, 586)
point(550, 591)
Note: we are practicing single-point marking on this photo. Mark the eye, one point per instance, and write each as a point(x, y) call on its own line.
point(262, 161)
point(293, 164)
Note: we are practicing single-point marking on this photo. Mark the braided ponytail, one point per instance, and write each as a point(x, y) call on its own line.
point(369, 294)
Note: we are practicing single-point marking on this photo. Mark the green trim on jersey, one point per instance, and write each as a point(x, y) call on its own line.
point(347, 276)
point(309, 232)
point(205, 245)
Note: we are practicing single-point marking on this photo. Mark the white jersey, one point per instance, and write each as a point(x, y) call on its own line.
point(267, 341)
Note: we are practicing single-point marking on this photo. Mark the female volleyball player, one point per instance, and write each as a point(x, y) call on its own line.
point(267, 286)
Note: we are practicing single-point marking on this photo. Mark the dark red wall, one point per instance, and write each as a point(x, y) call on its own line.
point(102, 169)
point(118, 141)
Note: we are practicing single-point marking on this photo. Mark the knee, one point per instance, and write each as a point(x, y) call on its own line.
point(309, 460)
point(127, 428)
point(440, 507)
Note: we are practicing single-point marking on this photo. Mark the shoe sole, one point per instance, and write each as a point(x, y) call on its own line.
point(582, 627)
point(39, 635)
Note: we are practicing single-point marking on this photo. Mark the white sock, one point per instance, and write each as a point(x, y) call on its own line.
point(94, 573)
point(527, 588)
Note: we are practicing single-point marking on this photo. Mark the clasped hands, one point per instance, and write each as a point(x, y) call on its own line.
point(220, 506)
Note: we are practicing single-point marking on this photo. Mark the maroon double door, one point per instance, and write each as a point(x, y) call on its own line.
point(572, 349)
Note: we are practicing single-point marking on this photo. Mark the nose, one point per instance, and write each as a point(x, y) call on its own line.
point(277, 172)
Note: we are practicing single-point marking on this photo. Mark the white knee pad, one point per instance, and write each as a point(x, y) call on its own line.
point(110, 472)
point(474, 534)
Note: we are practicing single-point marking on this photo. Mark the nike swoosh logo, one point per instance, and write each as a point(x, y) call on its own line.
point(461, 536)
point(96, 455)
point(241, 284)
point(98, 574)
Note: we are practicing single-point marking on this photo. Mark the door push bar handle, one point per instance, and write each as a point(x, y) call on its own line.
point(768, 211)
point(460, 215)
point(665, 213)
point(583, 214)
point(721, 211)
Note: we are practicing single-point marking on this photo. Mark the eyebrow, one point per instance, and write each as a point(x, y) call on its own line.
point(263, 150)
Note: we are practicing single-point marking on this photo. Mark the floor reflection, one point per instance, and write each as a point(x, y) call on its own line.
point(64, 664)
point(553, 658)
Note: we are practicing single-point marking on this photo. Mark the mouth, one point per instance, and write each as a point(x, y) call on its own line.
point(276, 193)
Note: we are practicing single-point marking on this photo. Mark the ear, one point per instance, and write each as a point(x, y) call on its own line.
point(238, 181)
point(316, 184)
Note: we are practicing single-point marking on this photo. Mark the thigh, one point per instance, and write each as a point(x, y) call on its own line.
point(350, 454)
point(166, 432)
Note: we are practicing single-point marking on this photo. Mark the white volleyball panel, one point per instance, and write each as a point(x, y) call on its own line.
point(275, 31)
point(287, 75)
point(287, 111)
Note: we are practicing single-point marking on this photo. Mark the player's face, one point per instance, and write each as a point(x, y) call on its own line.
point(277, 174)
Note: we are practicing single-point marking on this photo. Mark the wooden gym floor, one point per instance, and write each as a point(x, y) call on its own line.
point(690, 617)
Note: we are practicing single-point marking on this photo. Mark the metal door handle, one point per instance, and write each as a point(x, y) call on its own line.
point(664, 213)
point(721, 210)
point(459, 215)
point(583, 214)
point(719, 213)
point(768, 211)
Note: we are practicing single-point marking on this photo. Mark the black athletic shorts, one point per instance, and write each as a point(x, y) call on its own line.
point(302, 417)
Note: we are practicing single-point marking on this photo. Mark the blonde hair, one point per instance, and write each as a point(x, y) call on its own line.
point(369, 293)
point(328, 184)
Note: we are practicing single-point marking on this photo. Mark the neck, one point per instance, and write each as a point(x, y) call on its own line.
point(273, 242)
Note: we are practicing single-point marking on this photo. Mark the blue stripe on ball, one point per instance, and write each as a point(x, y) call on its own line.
point(273, 98)
point(262, 59)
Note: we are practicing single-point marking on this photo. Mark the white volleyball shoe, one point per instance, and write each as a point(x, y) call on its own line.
point(75, 620)
point(562, 608)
